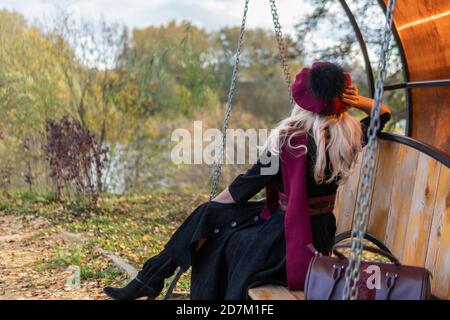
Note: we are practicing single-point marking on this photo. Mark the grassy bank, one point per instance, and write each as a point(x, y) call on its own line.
point(133, 227)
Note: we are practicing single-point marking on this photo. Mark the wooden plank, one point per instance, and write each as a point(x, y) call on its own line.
point(421, 213)
point(300, 295)
point(356, 190)
point(375, 176)
point(382, 188)
point(438, 254)
point(346, 198)
point(401, 197)
point(271, 292)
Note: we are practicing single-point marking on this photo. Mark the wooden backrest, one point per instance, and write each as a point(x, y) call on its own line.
point(409, 206)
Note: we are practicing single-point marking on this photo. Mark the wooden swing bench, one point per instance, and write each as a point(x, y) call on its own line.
point(409, 211)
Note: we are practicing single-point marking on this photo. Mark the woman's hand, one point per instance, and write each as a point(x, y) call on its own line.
point(351, 97)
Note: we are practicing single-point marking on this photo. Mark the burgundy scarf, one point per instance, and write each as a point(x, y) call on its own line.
point(297, 223)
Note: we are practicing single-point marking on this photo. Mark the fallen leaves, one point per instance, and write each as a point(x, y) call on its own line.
point(134, 227)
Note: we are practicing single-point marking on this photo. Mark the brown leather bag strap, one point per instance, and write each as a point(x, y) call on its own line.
point(338, 271)
point(367, 236)
point(365, 248)
point(391, 280)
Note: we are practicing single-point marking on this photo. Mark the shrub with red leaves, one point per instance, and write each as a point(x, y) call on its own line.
point(76, 161)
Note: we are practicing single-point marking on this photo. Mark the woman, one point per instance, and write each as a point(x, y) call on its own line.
point(234, 244)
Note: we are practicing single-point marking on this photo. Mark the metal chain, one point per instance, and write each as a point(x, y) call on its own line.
point(281, 47)
point(220, 150)
point(362, 207)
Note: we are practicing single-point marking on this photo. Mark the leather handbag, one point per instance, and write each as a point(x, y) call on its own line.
point(325, 279)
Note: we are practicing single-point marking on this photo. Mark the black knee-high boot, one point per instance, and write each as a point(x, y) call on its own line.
point(149, 282)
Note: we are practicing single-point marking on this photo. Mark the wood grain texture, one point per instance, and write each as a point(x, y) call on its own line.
point(346, 198)
point(382, 189)
point(374, 177)
point(438, 253)
point(300, 295)
point(401, 197)
point(271, 292)
point(421, 213)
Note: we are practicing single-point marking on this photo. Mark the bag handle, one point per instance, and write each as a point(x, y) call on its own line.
point(383, 253)
point(367, 236)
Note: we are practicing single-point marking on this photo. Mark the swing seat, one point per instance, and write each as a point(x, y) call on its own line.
point(409, 211)
point(271, 292)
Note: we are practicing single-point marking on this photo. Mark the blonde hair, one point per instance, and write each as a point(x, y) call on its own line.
point(342, 144)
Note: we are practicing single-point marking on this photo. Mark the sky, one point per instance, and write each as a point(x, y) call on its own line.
point(209, 14)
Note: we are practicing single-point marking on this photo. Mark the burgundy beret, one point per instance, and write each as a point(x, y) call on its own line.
point(305, 98)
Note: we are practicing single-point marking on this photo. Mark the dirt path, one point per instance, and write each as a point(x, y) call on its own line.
point(24, 247)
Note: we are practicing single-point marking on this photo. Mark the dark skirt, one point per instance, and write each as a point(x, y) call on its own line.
point(243, 250)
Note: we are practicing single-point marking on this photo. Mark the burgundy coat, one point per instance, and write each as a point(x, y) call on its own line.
point(296, 222)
